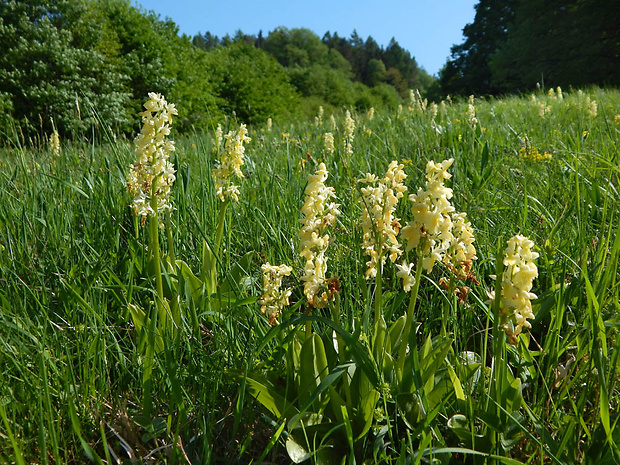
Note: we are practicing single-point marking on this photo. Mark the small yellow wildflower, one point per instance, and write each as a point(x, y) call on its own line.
point(591, 107)
point(434, 110)
point(318, 120)
point(543, 109)
point(531, 153)
point(219, 136)
point(54, 143)
point(471, 114)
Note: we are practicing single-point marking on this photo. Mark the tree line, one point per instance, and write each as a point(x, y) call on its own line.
point(83, 65)
point(514, 45)
point(361, 60)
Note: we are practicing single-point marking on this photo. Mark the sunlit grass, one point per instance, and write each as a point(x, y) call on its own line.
point(71, 264)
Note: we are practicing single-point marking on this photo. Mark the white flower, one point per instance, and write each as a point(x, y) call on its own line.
point(404, 272)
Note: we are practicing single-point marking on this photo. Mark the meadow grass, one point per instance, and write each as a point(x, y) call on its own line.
point(73, 259)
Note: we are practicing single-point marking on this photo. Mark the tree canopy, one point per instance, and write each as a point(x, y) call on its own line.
point(77, 65)
point(514, 44)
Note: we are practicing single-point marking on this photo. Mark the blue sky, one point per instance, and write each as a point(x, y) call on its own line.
point(426, 28)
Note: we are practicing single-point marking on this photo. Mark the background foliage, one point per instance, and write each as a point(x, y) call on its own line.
point(513, 45)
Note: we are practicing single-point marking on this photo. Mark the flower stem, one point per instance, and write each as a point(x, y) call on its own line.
point(220, 226)
point(174, 303)
point(402, 351)
point(496, 383)
point(155, 258)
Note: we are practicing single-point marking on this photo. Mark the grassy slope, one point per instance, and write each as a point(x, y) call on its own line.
point(70, 263)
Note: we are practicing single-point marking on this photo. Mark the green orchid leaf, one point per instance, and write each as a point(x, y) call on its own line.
point(396, 333)
point(208, 270)
point(313, 368)
point(193, 287)
point(264, 391)
point(239, 274)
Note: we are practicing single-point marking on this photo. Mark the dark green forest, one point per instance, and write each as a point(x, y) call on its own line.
point(513, 45)
point(82, 66)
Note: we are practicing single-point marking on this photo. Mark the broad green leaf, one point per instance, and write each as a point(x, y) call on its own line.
point(396, 332)
point(456, 384)
point(208, 270)
point(366, 413)
point(238, 274)
point(265, 392)
point(295, 451)
point(313, 367)
point(360, 354)
point(194, 287)
point(459, 424)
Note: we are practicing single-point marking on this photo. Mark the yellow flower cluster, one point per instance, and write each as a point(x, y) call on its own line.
point(230, 164)
point(434, 109)
point(519, 273)
point(328, 138)
point(471, 113)
point(591, 107)
point(555, 95)
point(318, 119)
point(531, 153)
point(349, 128)
point(319, 212)
point(151, 177)
point(219, 136)
point(274, 299)
point(417, 102)
point(54, 143)
point(543, 108)
point(461, 252)
point(431, 228)
point(380, 227)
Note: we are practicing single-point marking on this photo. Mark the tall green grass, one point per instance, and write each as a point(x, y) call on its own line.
point(71, 263)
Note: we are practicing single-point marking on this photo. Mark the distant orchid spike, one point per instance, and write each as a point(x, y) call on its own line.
point(230, 164)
